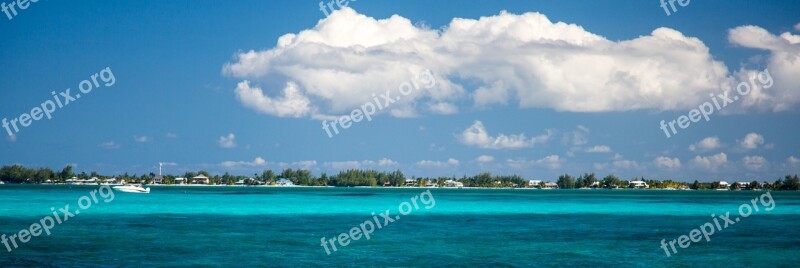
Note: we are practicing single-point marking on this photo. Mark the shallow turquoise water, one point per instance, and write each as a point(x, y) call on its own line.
point(245, 226)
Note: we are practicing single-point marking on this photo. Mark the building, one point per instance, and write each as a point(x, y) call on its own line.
point(411, 182)
point(180, 180)
point(534, 183)
point(158, 179)
point(724, 185)
point(743, 185)
point(240, 182)
point(284, 182)
point(596, 184)
point(550, 185)
point(638, 185)
point(200, 179)
point(452, 183)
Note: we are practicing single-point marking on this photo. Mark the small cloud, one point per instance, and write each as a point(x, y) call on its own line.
point(227, 141)
point(256, 162)
point(443, 108)
point(551, 161)
point(142, 138)
point(172, 135)
point(667, 163)
point(438, 164)
point(599, 149)
point(707, 144)
point(476, 135)
point(751, 141)
point(485, 158)
point(710, 163)
point(387, 162)
point(110, 145)
point(755, 163)
point(793, 161)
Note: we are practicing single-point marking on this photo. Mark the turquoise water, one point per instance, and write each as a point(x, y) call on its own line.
point(246, 226)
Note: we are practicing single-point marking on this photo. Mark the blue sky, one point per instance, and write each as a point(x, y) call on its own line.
point(574, 77)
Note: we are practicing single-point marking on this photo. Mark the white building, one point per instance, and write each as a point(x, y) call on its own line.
point(534, 183)
point(638, 185)
point(724, 185)
point(452, 183)
point(284, 182)
point(180, 180)
point(550, 185)
point(200, 179)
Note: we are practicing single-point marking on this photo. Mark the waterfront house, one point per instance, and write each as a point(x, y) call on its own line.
point(638, 185)
point(550, 185)
point(452, 183)
point(73, 180)
point(411, 182)
point(534, 183)
point(240, 182)
point(200, 179)
point(724, 185)
point(180, 180)
point(284, 182)
point(110, 181)
point(158, 179)
point(743, 185)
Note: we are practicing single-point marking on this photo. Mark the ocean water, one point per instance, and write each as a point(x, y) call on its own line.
point(266, 227)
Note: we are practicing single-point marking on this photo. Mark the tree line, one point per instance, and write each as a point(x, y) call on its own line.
point(358, 177)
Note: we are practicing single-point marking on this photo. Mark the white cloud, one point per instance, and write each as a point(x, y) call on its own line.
point(793, 161)
point(227, 141)
point(625, 164)
point(476, 135)
point(751, 141)
point(667, 163)
point(706, 144)
point(385, 162)
point(438, 164)
point(797, 27)
point(783, 64)
point(443, 108)
point(710, 163)
point(255, 163)
point(343, 165)
point(485, 158)
point(755, 163)
point(292, 104)
point(305, 164)
point(577, 137)
point(142, 138)
point(172, 135)
point(599, 149)
point(109, 145)
point(526, 58)
point(550, 161)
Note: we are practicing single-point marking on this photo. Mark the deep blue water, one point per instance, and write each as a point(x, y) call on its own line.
point(245, 226)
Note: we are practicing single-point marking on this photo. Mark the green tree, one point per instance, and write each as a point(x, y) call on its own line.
point(566, 182)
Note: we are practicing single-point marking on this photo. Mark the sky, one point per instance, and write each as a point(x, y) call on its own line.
point(534, 88)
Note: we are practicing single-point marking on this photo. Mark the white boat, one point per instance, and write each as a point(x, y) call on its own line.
point(135, 188)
